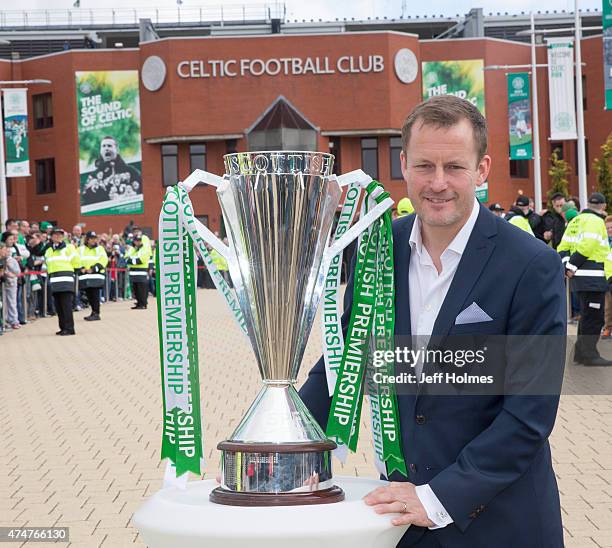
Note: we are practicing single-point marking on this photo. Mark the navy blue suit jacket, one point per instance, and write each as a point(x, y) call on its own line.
point(486, 457)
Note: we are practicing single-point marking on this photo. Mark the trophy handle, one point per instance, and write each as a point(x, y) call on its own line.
point(201, 176)
point(363, 179)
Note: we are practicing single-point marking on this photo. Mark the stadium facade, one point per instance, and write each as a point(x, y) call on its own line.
point(270, 84)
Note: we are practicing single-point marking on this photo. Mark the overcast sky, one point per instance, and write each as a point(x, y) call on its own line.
point(331, 9)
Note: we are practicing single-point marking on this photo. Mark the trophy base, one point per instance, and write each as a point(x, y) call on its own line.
point(276, 474)
point(231, 498)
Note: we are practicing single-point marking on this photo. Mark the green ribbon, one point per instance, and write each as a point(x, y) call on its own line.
point(178, 339)
point(371, 325)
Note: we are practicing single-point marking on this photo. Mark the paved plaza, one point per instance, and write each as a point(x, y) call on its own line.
point(81, 420)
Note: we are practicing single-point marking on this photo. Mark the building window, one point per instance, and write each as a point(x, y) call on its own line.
point(9, 187)
point(169, 164)
point(203, 219)
point(45, 176)
point(557, 146)
point(395, 147)
point(197, 157)
point(334, 148)
point(231, 146)
point(586, 155)
point(43, 110)
point(369, 156)
point(519, 169)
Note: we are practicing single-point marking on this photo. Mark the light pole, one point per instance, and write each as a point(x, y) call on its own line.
point(580, 145)
point(3, 196)
point(535, 122)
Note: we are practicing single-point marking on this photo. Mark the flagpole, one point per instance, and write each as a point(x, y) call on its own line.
point(580, 145)
point(535, 123)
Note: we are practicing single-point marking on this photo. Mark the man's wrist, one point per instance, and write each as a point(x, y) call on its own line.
point(433, 507)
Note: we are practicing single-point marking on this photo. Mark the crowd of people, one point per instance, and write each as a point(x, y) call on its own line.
point(46, 271)
point(98, 271)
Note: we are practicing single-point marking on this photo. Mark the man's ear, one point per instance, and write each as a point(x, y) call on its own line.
point(403, 164)
point(484, 166)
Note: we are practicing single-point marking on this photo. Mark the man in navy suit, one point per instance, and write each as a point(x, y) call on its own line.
point(480, 470)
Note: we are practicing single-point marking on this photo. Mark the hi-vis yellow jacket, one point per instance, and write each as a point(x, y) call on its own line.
point(522, 223)
point(585, 250)
point(94, 259)
point(62, 260)
point(138, 263)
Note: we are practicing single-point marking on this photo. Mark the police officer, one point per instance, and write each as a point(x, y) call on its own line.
point(91, 275)
point(404, 207)
point(138, 258)
point(62, 261)
point(585, 251)
point(519, 214)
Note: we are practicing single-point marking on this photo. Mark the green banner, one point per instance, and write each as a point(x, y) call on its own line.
point(482, 192)
point(464, 78)
point(607, 50)
point(16, 132)
point(110, 154)
point(519, 116)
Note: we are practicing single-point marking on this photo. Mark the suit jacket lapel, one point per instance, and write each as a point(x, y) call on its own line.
point(401, 256)
point(476, 255)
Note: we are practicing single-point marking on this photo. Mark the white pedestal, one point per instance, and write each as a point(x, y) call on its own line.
point(187, 519)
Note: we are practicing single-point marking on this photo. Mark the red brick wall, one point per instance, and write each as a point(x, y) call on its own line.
point(205, 106)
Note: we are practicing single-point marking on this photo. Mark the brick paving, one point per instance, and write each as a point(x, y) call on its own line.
point(81, 420)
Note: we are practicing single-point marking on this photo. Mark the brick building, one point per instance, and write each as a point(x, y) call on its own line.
point(333, 91)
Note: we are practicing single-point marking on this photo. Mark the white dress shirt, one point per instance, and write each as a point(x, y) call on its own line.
point(428, 289)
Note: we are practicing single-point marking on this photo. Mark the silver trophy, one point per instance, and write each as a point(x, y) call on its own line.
point(279, 208)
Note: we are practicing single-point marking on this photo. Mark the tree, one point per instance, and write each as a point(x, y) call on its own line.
point(603, 167)
point(559, 170)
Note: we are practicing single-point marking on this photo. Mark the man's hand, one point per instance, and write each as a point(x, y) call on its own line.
point(569, 273)
point(399, 498)
point(548, 235)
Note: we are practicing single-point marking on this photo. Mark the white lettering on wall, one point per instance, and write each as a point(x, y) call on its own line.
point(288, 66)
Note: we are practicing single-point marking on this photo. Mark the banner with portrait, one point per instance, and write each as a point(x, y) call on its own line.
point(519, 116)
point(561, 99)
point(464, 78)
point(110, 155)
point(607, 51)
point(16, 132)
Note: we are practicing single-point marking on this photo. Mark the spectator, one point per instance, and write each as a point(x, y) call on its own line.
point(21, 254)
point(569, 211)
point(11, 277)
point(76, 236)
point(10, 225)
point(24, 231)
point(497, 210)
point(35, 263)
point(553, 222)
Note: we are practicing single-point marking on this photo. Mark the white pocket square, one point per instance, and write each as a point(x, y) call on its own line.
point(472, 314)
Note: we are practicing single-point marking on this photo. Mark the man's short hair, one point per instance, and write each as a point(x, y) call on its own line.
point(9, 222)
point(556, 196)
point(445, 111)
point(109, 137)
point(608, 219)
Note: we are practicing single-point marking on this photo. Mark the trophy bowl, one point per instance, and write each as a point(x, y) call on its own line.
point(279, 209)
